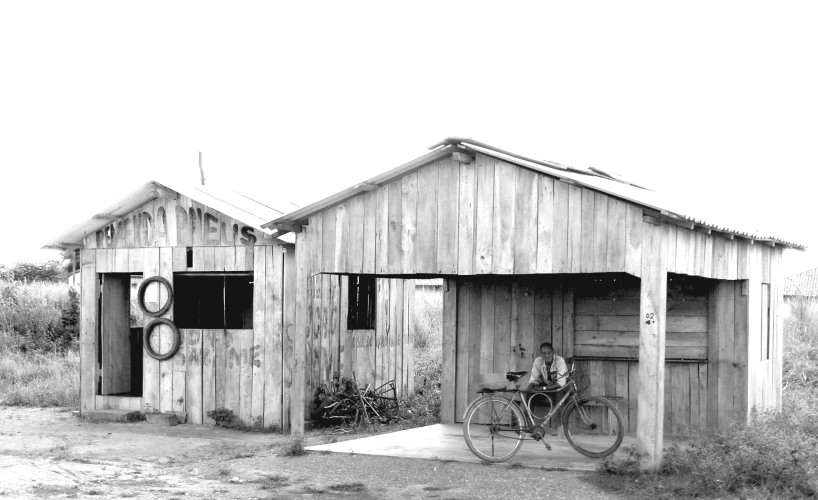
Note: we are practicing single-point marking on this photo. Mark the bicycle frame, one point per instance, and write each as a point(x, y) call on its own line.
point(529, 427)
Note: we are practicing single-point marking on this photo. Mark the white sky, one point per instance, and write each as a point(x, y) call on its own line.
point(293, 101)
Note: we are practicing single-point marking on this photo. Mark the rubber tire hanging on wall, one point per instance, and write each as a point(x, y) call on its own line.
point(141, 296)
point(146, 341)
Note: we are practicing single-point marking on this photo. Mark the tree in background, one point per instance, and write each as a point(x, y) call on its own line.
point(67, 255)
point(38, 310)
point(49, 271)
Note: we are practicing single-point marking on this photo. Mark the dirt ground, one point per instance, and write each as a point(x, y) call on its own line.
point(50, 453)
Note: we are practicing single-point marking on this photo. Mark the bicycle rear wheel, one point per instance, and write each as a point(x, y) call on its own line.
point(493, 428)
point(593, 426)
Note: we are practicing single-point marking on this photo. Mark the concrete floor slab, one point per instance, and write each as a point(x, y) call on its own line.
point(445, 442)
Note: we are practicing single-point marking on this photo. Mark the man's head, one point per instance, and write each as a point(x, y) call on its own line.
point(547, 352)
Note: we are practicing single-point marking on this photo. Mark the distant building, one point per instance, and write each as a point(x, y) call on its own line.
point(803, 284)
point(799, 289)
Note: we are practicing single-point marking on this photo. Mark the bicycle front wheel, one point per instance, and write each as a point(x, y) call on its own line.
point(593, 426)
point(493, 428)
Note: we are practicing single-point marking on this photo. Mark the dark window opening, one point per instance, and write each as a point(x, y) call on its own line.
point(213, 301)
point(189, 256)
point(361, 303)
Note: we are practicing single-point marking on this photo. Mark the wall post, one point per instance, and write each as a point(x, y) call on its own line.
point(652, 312)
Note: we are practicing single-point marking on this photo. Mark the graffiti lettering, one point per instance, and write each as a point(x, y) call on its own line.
point(193, 227)
point(233, 358)
point(161, 224)
point(248, 237)
point(223, 234)
point(211, 226)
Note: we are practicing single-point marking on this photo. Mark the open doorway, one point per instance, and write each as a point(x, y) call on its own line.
point(428, 343)
point(120, 346)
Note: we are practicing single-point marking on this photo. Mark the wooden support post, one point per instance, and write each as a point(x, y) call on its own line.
point(299, 365)
point(89, 293)
point(449, 328)
point(652, 311)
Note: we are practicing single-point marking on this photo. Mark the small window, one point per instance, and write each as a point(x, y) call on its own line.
point(213, 301)
point(765, 321)
point(361, 303)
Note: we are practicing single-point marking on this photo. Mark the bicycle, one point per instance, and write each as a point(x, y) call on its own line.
point(495, 427)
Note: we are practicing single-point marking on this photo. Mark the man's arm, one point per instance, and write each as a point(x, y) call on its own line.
point(536, 374)
point(562, 373)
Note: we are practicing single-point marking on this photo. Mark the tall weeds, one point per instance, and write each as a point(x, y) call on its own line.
point(36, 378)
point(801, 345)
point(428, 350)
point(39, 359)
point(39, 316)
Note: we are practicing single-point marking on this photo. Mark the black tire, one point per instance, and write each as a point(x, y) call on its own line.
point(141, 296)
point(146, 340)
point(493, 428)
point(593, 426)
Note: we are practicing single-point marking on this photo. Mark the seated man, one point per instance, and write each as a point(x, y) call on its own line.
point(549, 373)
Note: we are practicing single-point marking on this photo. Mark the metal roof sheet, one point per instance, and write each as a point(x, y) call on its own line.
point(803, 284)
point(230, 203)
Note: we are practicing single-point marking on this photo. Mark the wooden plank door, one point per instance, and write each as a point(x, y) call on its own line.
point(116, 343)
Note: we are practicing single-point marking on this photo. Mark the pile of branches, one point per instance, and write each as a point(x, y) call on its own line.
point(341, 402)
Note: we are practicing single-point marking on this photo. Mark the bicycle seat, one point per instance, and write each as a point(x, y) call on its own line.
point(514, 376)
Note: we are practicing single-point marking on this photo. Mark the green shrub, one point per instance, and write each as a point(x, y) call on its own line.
point(775, 454)
point(225, 417)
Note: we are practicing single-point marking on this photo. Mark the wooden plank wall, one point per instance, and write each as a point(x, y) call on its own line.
point(685, 391)
point(242, 370)
point(500, 326)
point(492, 217)
point(763, 385)
point(607, 316)
point(376, 356)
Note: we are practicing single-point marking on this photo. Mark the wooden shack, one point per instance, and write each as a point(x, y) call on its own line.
point(229, 290)
point(674, 316)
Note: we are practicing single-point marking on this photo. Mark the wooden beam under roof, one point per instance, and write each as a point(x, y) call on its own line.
point(287, 227)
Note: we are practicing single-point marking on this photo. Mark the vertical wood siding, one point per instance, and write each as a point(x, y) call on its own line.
point(492, 217)
point(376, 356)
point(242, 370)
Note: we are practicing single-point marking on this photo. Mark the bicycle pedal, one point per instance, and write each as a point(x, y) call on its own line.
point(547, 446)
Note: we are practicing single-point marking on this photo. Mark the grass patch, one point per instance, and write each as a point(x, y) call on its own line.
point(294, 449)
point(226, 419)
point(273, 481)
point(242, 454)
point(356, 487)
point(39, 379)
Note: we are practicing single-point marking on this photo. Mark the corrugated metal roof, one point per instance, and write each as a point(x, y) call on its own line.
point(230, 203)
point(667, 205)
point(803, 284)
